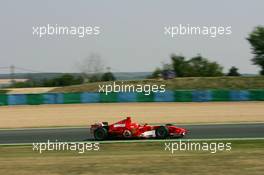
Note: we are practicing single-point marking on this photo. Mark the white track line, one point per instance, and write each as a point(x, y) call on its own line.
point(145, 141)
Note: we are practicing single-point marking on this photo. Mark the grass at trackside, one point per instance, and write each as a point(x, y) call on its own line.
point(181, 83)
point(246, 157)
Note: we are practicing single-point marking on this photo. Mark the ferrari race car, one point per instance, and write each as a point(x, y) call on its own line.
point(126, 129)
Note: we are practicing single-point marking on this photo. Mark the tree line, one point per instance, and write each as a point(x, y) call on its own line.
point(65, 80)
point(180, 66)
point(199, 66)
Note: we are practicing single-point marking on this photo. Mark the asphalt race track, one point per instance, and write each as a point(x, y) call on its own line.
point(217, 131)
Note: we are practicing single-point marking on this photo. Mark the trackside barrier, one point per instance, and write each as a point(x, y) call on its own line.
point(69, 98)
point(109, 98)
point(183, 96)
point(49, 98)
point(142, 97)
point(127, 97)
point(34, 99)
point(90, 97)
point(220, 95)
point(239, 95)
point(17, 99)
point(3, 99)
point(167, 96)
point(256, 95)
point(201, 96)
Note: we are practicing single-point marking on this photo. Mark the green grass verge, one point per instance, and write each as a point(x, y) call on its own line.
point(181, 83)
point(246, 157)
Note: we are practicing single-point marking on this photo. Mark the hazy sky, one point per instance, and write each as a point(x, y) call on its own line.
point(132, 32)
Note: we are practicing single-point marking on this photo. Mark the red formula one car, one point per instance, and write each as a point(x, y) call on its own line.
point(126, 129)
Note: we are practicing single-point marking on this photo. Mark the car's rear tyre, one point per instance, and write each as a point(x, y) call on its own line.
point(162, 132)
point(100, 134)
